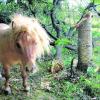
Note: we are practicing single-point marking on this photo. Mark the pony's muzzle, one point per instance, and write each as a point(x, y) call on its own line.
point(31, 68)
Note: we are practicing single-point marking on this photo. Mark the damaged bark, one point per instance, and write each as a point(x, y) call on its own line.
point(84, 43)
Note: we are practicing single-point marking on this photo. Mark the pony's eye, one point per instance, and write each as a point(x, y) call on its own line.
point(18, 45)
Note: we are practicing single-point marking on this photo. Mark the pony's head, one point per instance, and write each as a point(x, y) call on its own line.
point(30, 39)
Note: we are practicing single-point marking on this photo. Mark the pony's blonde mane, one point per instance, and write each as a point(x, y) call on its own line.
point(22, 23)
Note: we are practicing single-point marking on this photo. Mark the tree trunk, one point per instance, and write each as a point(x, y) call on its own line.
point(57, 28)
point(59, 53)
point(84, 44)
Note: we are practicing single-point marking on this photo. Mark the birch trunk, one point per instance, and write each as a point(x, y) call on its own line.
point(84, 44)
point(59, 53)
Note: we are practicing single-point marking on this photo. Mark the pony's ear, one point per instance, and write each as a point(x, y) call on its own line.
point(13, 25)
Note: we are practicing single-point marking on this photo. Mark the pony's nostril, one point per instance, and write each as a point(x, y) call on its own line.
point(18, 45)
point(29, 69)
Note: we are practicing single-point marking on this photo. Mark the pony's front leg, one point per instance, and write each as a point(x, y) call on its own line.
point(25, 79)
point(6, 70)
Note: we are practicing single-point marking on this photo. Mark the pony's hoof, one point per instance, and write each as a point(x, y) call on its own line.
point(7, 91)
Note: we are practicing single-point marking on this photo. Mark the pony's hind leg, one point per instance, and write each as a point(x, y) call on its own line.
point(25, 79)
point(6, 70)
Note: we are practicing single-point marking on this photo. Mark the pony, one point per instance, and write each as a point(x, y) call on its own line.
point(22, 42)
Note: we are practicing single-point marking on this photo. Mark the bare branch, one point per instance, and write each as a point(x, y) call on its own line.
point(70, 47)
point(49, 33)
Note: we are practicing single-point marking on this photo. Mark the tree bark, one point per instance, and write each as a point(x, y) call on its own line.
point(57, 28)
point(84, 43)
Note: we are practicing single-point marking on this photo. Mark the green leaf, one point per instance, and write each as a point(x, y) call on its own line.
point(62, 41)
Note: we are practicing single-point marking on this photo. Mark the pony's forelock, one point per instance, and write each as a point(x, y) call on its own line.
point(32, 26)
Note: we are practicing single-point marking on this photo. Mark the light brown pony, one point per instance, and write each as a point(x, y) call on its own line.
point(21, 42)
